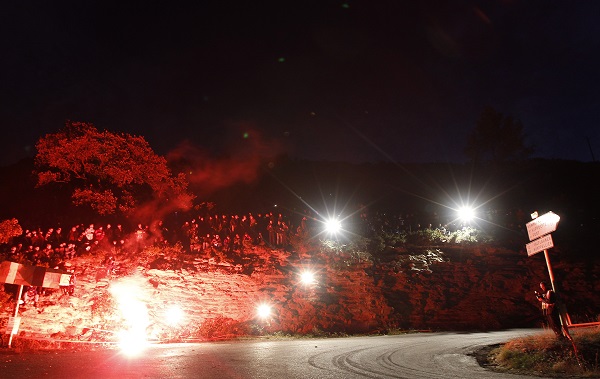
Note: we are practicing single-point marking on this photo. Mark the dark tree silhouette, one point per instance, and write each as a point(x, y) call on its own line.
point(110, 172)
point(497, 138)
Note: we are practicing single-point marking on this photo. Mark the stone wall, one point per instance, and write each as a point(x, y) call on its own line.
point(449, 288)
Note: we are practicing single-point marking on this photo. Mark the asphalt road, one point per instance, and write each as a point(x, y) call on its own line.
point(414, 356)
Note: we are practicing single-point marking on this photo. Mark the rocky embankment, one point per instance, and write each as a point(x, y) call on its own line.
point(448, 288)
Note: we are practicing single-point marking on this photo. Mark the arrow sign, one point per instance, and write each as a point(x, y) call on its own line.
point(539, 244)
point(542, 225)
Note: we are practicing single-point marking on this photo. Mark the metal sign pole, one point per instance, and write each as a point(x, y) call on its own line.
point(18, 300)
point(16, 313)
point(547, 256)
point(563, 316)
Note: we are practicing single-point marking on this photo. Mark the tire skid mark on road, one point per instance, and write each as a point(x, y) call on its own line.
point(349, 363)
point(313, 361)
point(341, 362)
point(346, 363)
point(400, 358)
point(386, 360)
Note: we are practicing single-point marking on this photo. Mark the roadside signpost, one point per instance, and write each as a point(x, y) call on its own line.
point(542, 225)
point(539, 244)
point(26, 275)
point(539, 230)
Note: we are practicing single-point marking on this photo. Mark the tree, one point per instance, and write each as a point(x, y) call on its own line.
point(497, 138)
point(110, 172)
point(9, 229)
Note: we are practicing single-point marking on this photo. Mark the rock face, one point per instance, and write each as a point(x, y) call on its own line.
point(449, 288)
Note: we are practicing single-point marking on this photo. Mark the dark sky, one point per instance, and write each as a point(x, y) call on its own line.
point(362, 80)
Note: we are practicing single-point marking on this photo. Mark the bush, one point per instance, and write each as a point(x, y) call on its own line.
point(221, 327)
point(427, 237)
point(103, 305)
point(468, 235)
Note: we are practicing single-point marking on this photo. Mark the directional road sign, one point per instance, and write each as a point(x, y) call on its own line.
point(539, 244)
point(542, 225)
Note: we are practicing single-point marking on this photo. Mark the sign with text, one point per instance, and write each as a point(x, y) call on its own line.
point(539, 244)
point(542, 225)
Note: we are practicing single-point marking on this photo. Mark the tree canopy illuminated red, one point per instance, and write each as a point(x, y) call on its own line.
point(110, 172)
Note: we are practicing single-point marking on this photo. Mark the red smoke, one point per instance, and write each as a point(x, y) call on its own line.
point(240, 164)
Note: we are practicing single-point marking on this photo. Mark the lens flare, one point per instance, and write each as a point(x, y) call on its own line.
point(307, 277)
point(174, 315)
point(132, 338)
point(132, 342)
point(263, 311)
point(333, 225)
point(466, 213)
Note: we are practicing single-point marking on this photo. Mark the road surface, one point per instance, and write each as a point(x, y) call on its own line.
point(414, 356)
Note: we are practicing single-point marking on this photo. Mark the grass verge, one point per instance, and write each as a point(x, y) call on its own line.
point(545, 355)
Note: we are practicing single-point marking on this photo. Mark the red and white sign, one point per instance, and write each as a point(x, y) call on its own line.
point(542, 225)
point(539, 244)
point(25, 275)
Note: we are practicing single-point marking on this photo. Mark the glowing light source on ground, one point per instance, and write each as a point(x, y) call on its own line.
point(174, 315)
point(133, 338)
point(132, 342)
point(263, 310)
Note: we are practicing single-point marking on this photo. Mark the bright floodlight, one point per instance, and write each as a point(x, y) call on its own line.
point(333, 225)
point(466, 213)
point(132, 338)
point(263, 310)
point(174, 315)
point(307, 277)
point(132, 342)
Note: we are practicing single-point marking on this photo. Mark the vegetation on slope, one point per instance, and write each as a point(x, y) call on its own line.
point(545, 355)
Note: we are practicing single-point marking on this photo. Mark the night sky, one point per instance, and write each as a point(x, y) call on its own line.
point(364, 80)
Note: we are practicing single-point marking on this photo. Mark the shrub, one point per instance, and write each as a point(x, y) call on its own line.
point(221, 327)
point(103, 305)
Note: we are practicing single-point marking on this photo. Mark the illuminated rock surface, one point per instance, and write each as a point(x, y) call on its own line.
point(476, 288)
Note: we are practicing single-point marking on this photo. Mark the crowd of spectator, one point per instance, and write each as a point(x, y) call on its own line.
point(54, 246)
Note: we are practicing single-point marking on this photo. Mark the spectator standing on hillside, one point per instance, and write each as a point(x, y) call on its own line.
point(89, 234)
point(99, 235)
point(71, 287)
point(186, 237)
point(279, 233)
point(31, 296)
point(73, 236)
point(547, 298)
point(285, 231)
point(140, 233)
point(118, 236)
point(271, 229)
point(37, 239)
